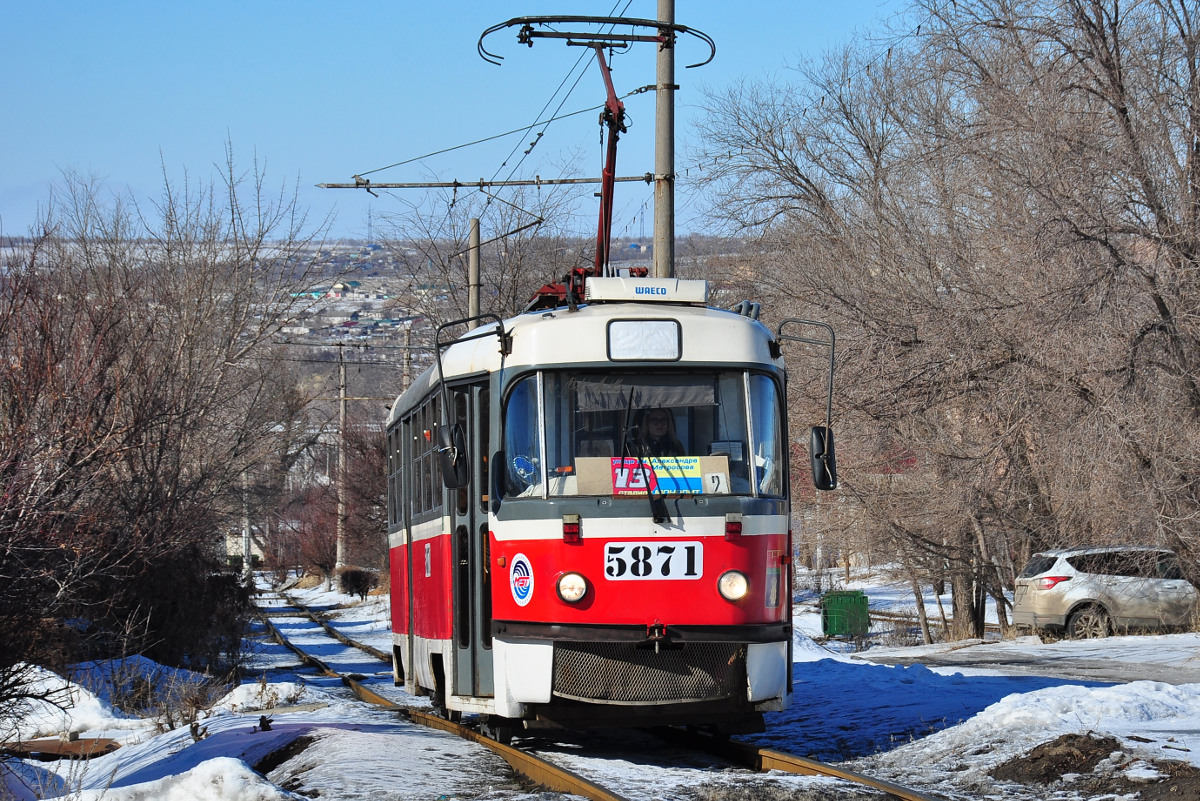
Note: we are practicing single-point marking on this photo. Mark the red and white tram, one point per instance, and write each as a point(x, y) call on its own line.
point(547, 567)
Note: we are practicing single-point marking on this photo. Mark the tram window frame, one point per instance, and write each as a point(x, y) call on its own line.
point(462, 497)
point(420, 486)
point(773, 482)
point(418, 463)
point(391, 478)
point(713, 410)
point(483, 419)
point(530, 448)
point(397, 496)
point(412, 485)
point(426, 461)
point(435, 464)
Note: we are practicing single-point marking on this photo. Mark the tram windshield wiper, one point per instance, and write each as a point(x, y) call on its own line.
point(658, 507)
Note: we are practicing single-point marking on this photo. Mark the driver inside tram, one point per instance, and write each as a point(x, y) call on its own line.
point(658, 433)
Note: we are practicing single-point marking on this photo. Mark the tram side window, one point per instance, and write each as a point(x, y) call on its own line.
point(412, 487)
point(391, 479)
point(395, 475)
point(420, 464)
point(484, 440)
point(432, 474)
point(522, 442)
point(767, 435)
point(425, 502)
point(426, 457)
point(421, 483)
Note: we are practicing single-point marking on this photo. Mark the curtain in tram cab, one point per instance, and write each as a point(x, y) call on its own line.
point(618, 393)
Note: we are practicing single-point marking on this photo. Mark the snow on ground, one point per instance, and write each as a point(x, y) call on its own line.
point(937, 728)
point(1163, 714)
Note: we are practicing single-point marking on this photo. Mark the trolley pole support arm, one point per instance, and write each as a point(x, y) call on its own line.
point(613, 117)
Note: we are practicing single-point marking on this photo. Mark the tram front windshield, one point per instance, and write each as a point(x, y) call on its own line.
point(714, 432)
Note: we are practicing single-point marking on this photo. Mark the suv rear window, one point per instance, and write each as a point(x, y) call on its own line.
point(1134, 564)
point(1037, 566)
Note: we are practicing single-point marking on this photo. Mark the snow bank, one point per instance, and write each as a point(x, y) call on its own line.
point(804, 649)
point(219, 779)
point(255, 697)
point(70, 708)
point(1153, 720)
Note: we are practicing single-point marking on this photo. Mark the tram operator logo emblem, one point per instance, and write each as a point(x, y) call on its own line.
point(521, 579)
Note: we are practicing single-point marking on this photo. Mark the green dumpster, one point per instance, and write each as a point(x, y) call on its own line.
point(844, 614)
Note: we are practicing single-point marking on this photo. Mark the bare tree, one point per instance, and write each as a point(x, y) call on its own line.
point(525, 245)
point(998, 216)
point(366, 493)
point(133, 402)
point(314, 518)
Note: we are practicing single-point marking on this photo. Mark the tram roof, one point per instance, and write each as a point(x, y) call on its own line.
point(580, 338)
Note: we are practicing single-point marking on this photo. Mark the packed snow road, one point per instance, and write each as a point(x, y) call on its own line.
point(1170, 658)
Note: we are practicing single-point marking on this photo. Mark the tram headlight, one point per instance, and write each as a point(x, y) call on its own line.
point(733, 585)
point(572, 587)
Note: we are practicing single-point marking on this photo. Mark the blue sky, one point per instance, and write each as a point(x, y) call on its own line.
point(124, 92)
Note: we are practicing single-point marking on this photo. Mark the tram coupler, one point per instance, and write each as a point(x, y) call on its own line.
point(656, 632)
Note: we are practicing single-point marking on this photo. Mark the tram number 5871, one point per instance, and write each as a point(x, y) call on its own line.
point(626, 561)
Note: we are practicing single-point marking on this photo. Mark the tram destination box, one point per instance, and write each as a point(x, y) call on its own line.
point(682, 475)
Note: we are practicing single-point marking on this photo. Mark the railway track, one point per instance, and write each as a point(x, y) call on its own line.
point(538, 765)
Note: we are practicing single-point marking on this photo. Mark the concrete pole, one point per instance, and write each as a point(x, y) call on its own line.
point(406, 377)
point(473, 272)
point(340, 484)
point(664, 153)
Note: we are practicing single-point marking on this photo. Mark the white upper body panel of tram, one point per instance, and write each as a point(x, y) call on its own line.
point(627, 322)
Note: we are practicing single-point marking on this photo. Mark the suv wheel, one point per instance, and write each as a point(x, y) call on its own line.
point(1088, 623)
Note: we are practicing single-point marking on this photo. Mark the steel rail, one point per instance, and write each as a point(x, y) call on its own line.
point(562, 780)
point(766, 759)
point(534, 769)
point(333, 632)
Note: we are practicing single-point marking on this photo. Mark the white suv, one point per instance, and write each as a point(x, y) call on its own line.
point(1092, 592)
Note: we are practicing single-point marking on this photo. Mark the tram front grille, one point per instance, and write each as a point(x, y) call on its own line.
point(622, 673)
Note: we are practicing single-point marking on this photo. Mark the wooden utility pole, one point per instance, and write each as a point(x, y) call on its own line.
point(664, 150)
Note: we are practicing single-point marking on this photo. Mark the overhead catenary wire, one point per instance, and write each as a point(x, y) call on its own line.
point(707, 160)
point(585, 59)
point(524, 129)
point(588, 56)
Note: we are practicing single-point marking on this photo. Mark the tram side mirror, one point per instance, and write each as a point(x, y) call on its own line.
point(452, 451)
point(824, 466)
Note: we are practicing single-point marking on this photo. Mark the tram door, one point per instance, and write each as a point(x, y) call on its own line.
point(472, 579)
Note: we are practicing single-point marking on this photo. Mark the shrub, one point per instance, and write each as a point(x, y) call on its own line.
point(356, 581)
